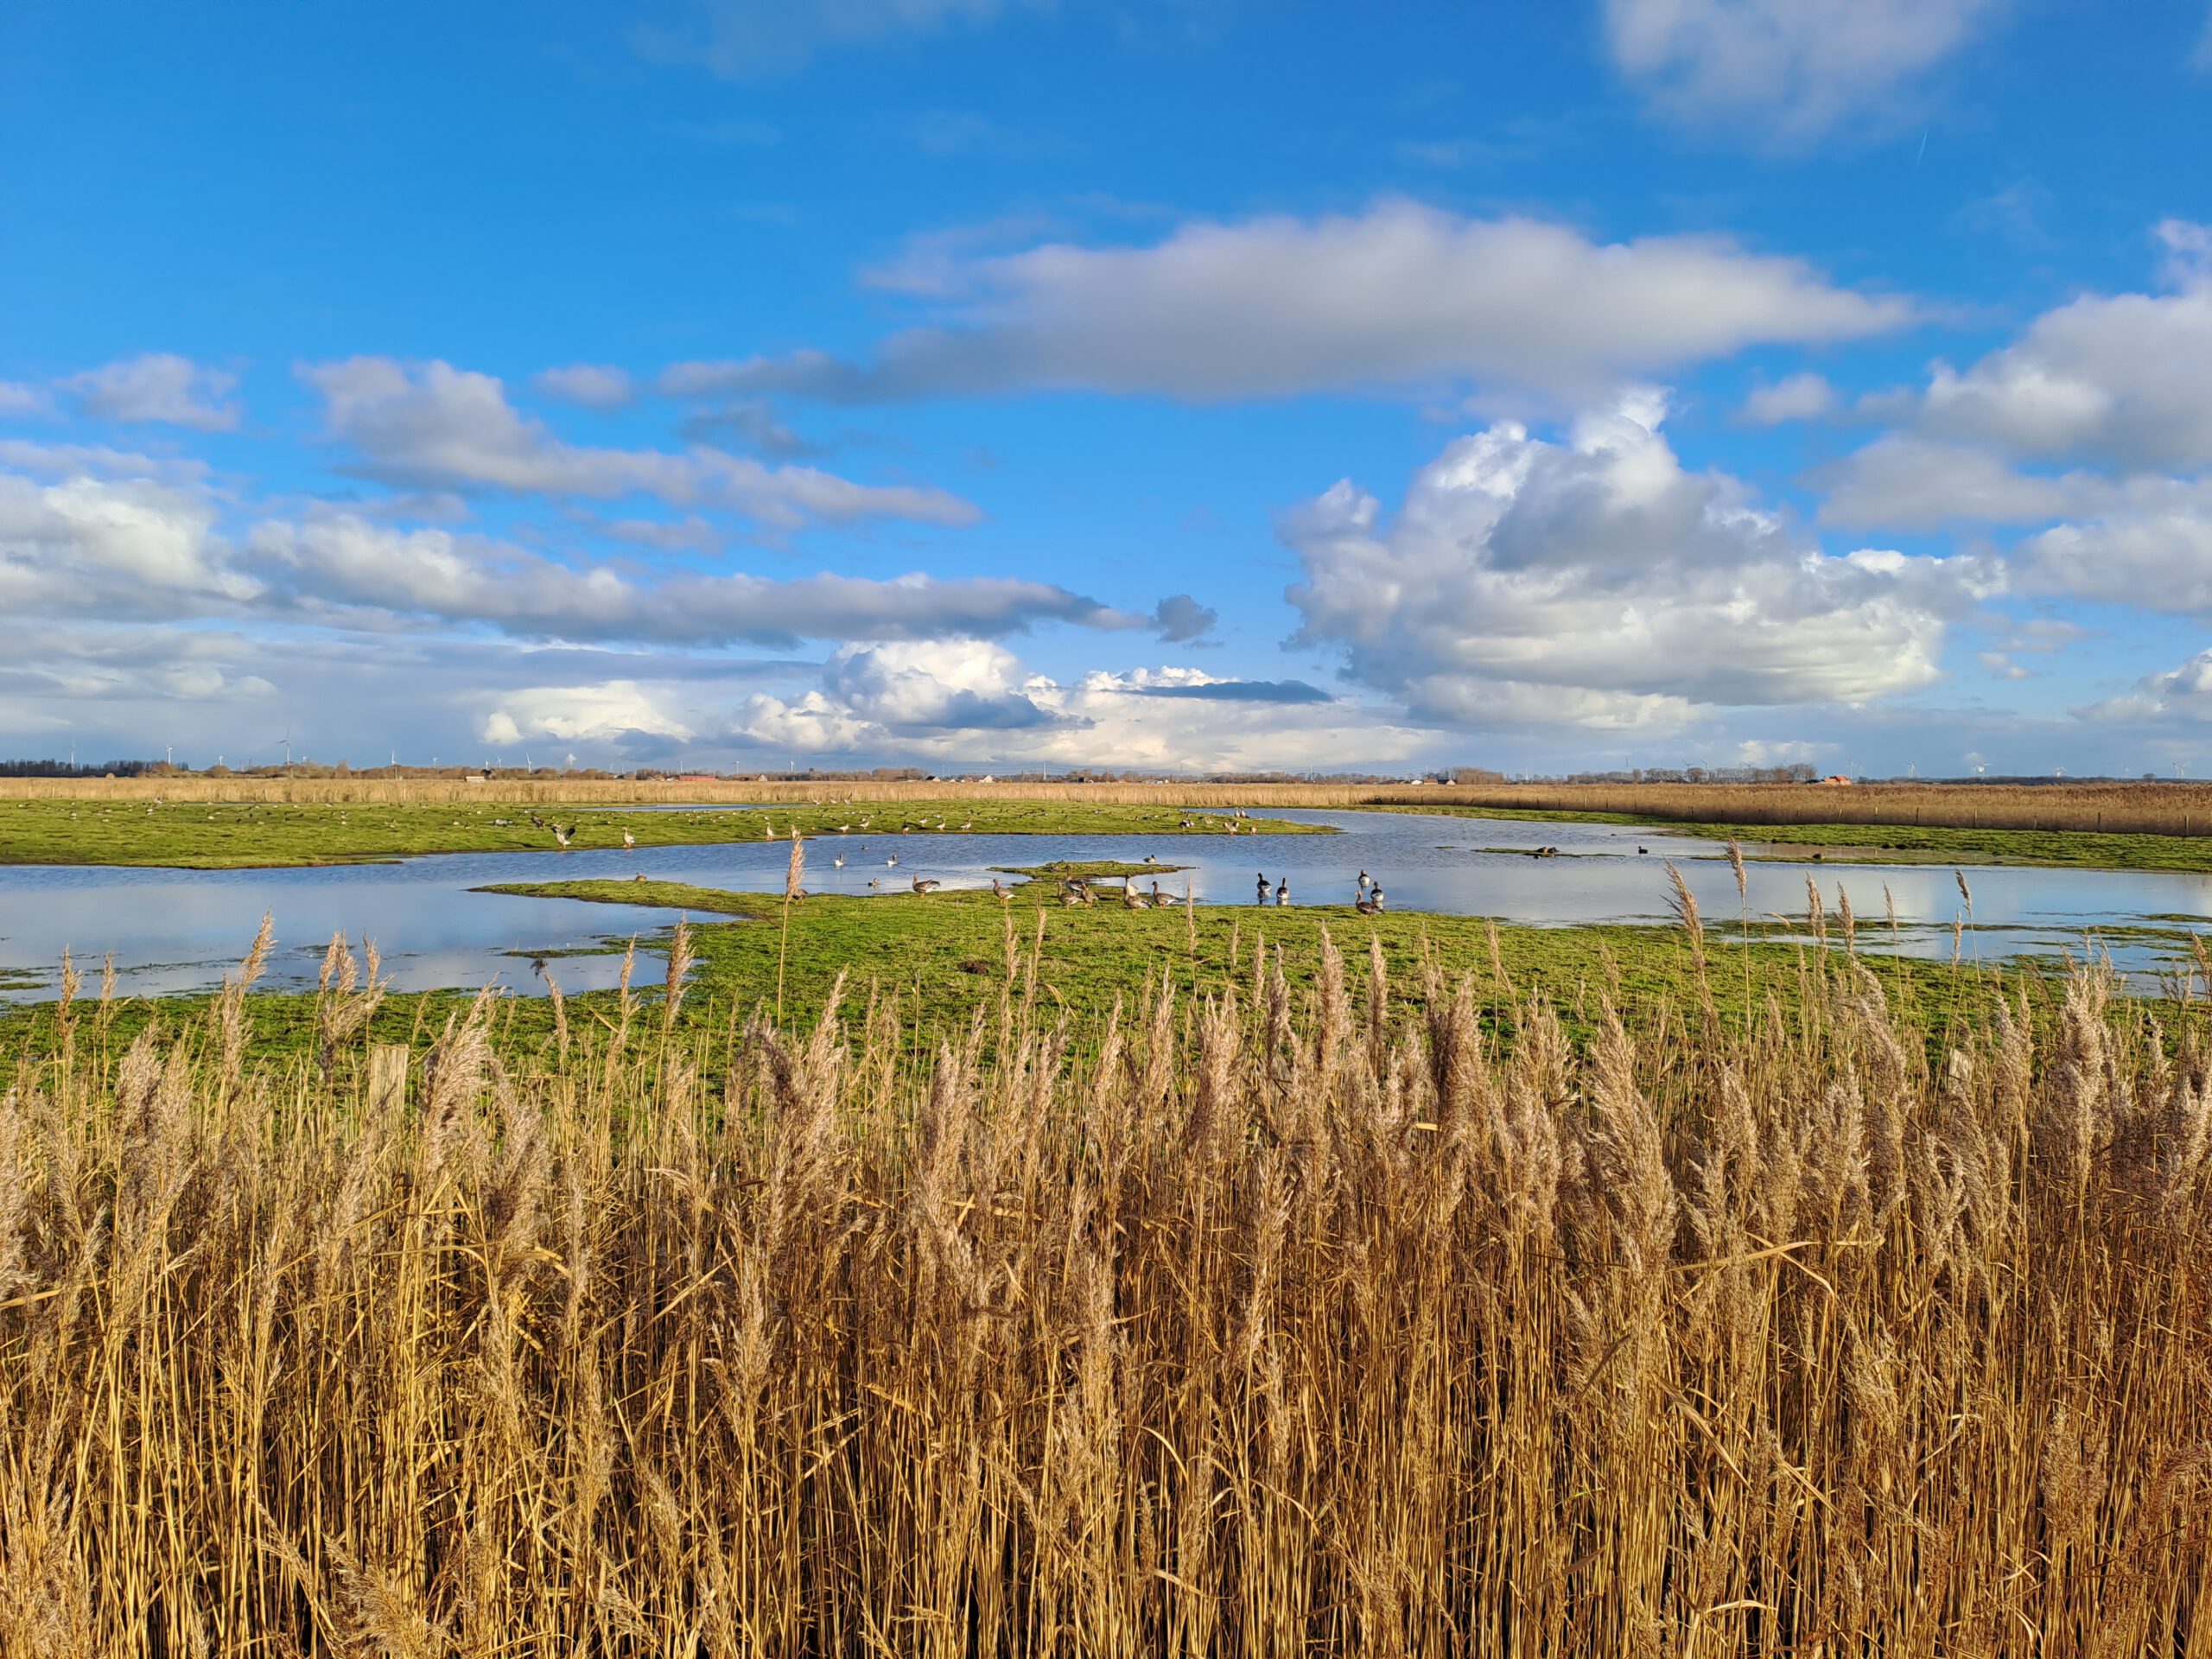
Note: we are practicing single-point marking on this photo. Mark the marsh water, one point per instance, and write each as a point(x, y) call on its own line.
point(179, 930)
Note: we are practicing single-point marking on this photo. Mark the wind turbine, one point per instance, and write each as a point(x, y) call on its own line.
point(287, 740)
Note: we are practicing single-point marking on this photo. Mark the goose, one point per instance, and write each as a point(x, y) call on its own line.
point(891, 862)
point(1642, 852)
point(1157, 898)
point(923, 884)
point(768, 829)
point(1282, 892)
point(1364, 904)
point(629, 840)
point(1364, 879)
point(1262, 899)
point(1004, 892)
point(839, 860)
point(874, 884)
point(1132, 900)
point(1151, 858)
point(561, 836)
point(1376, 899)
point(969, 824)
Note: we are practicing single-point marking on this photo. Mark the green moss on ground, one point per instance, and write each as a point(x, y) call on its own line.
point(658, 895)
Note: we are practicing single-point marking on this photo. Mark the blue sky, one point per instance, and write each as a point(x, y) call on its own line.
point(1199, 384)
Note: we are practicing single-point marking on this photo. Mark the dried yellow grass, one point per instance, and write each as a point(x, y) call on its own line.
point(2114, 809)
point(1269, 1324)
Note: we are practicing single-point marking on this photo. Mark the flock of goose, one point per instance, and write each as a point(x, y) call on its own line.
point(1075, 891)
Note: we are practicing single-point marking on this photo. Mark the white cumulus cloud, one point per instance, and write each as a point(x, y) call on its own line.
point(1596, 583)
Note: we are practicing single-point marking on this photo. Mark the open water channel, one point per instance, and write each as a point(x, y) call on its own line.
point(179, 930)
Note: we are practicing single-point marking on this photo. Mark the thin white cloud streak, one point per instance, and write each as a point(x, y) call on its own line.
point(1797, 68)
point(347, 562)
point(432, 425)
point(1401, 295)
point(594, 385)
point(747, 39)
point(159, 387)
point(1806, 396)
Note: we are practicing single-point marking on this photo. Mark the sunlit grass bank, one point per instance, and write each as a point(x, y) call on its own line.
point(209, 834)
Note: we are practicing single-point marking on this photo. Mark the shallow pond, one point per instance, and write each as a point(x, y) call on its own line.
point(176, 930)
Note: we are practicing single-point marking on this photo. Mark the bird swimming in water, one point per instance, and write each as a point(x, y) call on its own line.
point(1282, 892)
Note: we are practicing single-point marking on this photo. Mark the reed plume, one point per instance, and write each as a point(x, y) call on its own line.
point(1381, 1315)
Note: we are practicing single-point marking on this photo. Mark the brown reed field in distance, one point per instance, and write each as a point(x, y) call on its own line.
point(2177, 809)
point(1340, 1320)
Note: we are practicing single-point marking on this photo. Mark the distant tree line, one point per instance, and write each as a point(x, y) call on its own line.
point(1797, 774)
point(70, 769)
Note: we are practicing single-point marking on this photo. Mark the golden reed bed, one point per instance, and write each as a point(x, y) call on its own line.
point(2116, 809)
point(1275, 1324)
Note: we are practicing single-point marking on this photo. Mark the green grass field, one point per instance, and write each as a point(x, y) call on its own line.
point(1889, 843)
point(199, 836)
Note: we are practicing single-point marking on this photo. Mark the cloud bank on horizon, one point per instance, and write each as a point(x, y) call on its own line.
point(1699, 381)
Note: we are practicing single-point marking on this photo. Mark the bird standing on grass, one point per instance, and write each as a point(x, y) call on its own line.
point(923, 884)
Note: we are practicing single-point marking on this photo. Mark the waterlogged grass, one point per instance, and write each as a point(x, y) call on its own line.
point(1890, 843)
point(940, 960)
point(944, 955)
point(246, 834)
